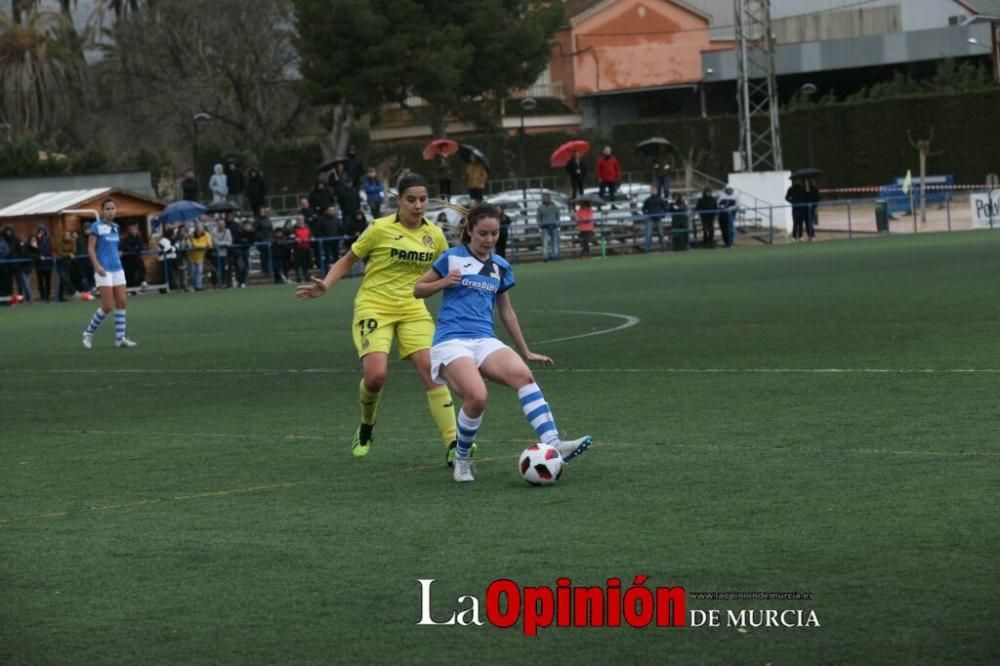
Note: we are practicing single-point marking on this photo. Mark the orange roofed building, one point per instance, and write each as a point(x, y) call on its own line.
point(620, 60)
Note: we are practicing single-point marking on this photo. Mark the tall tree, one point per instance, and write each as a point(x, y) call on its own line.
point(40, 75)
point(177, 58)
point(366, 53)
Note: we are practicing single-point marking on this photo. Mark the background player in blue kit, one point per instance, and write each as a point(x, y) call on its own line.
point(475, 280)
point(108, 275)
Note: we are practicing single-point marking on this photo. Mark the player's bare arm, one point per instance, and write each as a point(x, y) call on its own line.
point(319, 287)
point(431, 283)
point(510, 322)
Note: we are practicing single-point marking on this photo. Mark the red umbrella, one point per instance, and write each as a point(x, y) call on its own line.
point(445, 147)
point(565, 152)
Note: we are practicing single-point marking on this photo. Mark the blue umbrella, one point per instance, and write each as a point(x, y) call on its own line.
point(180, 211)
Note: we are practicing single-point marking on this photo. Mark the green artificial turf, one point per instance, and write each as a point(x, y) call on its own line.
point(818, 419)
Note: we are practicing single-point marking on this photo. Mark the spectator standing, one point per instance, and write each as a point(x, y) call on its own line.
point(374, 192)
point(182, 265)
point(217, 184)
point(281, 259)
point(328, 238)
point(609, 175)
point(132, 247)
point(301, 249)
point(349, 199)
point(245, 238)
point(201, 243)
point(547, 215)
point(256, 191)
point(84, 270)
point(505, 222)
point(189, 186)
point(812, 201)
point(585, 226)
point(6, 268)
point(40, 248)
point(236, 183)
point(320, 199)
point(263, 235)
point(475, 178)
point(353, 168)
point(653, 210)
point(661, 179)
point(65, 249)
point(680, 227)
point(222, 241)
point(796, 196)
point(577, 171)
point(22, 266)
point(708, 208)
point(444, 176)
point(728, 207)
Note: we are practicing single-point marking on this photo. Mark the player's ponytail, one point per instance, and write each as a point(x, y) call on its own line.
point(478, 212)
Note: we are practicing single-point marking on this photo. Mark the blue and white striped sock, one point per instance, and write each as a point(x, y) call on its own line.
point(119, 325)
point(468, 427)
point(95, 321)
point(537, 411)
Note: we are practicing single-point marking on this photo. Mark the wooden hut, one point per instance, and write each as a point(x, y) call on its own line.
point(68, 210)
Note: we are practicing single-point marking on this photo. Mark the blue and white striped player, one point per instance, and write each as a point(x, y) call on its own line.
point(465, 347)
point(108, 275)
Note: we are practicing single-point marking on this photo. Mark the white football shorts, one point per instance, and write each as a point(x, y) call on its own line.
point(478, 349)
point(110, 279)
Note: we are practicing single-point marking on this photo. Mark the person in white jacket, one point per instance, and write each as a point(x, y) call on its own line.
point(218, 185)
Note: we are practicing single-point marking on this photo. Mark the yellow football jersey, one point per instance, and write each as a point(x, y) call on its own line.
point(395, 258)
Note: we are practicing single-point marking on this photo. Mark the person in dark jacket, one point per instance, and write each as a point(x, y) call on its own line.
point(653, 210)
point(680, 224)
point(6, 268)
point(812, 201)
point(40, 249)
point(796, 196)
point(132, 246)
point(349, 200)
point(577, 171)
point(189, 186)
point(319, 199)
point(256, 191)
point(707, 207)
point(21, 268)
point(237, 184)
point(328, 233)
point(505, 222)
point(728, 208)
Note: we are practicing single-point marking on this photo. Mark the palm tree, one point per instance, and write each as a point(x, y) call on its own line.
point(40, 73)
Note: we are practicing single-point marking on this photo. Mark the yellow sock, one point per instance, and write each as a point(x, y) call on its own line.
point(443, 411)
point(369, 404)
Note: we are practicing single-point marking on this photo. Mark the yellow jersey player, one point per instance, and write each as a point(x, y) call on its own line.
point(397, 251)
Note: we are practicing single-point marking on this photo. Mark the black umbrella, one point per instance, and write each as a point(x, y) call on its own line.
point(221, 207)
point(326, 166)
point(467, 152)
point(808, 172)
point(592, 199)
point(654, 146)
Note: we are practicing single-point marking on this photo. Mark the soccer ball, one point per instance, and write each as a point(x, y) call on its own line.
point(541, 464)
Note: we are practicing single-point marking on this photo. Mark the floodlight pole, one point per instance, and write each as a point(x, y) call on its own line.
point(808, 90)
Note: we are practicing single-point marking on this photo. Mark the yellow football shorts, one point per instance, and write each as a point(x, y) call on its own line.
point(373, 332)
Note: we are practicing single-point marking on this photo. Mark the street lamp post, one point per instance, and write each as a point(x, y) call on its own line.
point(197, 118)
point(808, 90)
point(527, 104)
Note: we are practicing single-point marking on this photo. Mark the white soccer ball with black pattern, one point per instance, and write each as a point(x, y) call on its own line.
point(541, 464)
